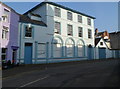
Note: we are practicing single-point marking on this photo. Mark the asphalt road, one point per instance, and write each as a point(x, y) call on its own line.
point(91, 74)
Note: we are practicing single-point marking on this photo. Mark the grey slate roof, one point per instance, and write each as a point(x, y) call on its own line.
point(26, 19)
point(35, 14)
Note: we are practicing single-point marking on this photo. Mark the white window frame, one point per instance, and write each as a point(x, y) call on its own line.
point(31, 33)
point(80, 31)
point(89, 33)
point(5, 32)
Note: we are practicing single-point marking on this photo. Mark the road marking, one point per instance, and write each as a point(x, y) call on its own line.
point(34, 81)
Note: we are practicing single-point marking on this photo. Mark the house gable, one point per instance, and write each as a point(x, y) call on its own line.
point(101, 43)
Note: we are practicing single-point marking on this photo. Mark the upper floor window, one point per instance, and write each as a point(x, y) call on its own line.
point(4, 32)
point(57, 12)
point(69, 15)
point(89, 21)
point(70, 30)
point(28, 31)
point(57, 27)
point(80, 31)
point(4, 53)
point(5, 16)
point(89, 33)
point(101, 43)
point(80, 18)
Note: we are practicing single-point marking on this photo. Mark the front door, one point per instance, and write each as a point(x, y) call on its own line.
point(14, 53)
point(28, 53)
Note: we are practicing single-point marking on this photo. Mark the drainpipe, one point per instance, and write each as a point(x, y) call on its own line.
point(20, 42)
point(36, 52)
point(47, 52)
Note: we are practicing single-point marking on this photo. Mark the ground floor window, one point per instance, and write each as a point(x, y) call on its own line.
point(4, 53)
point(57, 49)
point(80, 49)
point(70, 48)
point(41, 50)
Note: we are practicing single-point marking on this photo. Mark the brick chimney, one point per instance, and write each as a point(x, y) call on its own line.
point(96, 31)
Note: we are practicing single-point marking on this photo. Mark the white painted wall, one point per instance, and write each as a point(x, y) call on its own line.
point(46, 34)
point(63, 20)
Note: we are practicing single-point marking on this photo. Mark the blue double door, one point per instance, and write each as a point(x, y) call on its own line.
point(28, 53)
point(102, 53)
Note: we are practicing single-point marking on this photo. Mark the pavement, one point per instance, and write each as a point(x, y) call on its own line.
point(97, 73)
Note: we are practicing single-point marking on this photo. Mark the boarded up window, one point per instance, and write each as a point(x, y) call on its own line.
point(57, 47)
point(57, 27)
point(70, 48)
point(41, 50)
point(57, 50)
point(80, 49)
point(80, 18)
point(69, 15)
point(57, 12)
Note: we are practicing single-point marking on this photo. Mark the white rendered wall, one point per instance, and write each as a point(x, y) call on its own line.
point(43, 34)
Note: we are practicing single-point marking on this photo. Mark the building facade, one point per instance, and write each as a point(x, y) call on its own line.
point(67, 34)
point(9, 33)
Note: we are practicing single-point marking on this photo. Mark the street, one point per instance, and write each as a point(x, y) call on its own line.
point(91, 74)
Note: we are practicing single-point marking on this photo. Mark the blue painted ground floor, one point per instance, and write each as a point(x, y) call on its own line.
point(38, 53)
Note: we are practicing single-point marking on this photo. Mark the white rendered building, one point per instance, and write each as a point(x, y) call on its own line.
point(53, 31)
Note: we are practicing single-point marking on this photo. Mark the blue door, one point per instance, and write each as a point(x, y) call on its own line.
point(28, 53)
point(90, 53)
point(102, 53)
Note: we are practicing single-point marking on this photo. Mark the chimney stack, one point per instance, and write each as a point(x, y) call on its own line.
point(96, 31)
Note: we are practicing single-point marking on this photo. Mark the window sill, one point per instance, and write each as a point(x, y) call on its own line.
point(28, 37)
point(90, 38)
